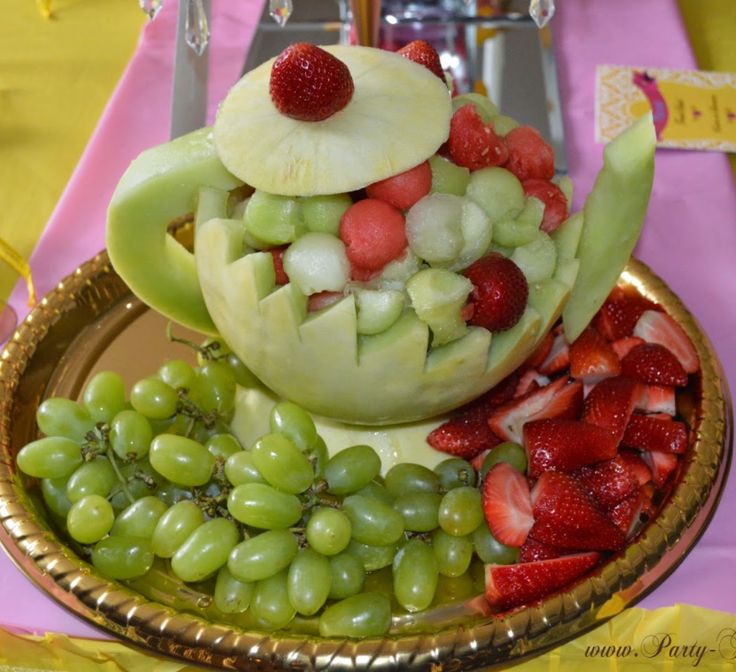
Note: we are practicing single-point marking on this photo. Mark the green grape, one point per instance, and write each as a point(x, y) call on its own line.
point(509, 452)
point(141, 480)
point(319, 457)
point(372, 557)
point(491, 550)
point(239, 469)
point(50, 457)
point(454, 589)
point(382, 581)
point(259, 505)
point(376, 490)
point(172, 494)
point(294, 423)
point(374, 523)
point(415, 573)
point(177, 373)
point(270, 604)
point(205, 550)
point(262, 555)
point(328, 531)
point(232, 596)
point(53, 491)
point(174, 527)
point(352, 469)
point(63, 417)
point(90, 519)
point(222, 446)
point(104, 396)
point(130, 434)
point(453, 553)
point(419, 510)
point(91, 478)
point(361, 615)
point(122, 557)
point(454, 473)
point(212, 349)
point(322, 213)
point(182, 461)
point(309, 581)
point(214, 388)
point(140, 518)
point(154, 398)
point(461, 511)
point(407, 477)
point(348, 576)
point(282, 464)
point(242, 374)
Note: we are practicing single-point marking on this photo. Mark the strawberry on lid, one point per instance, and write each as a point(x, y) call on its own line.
point(422, 52)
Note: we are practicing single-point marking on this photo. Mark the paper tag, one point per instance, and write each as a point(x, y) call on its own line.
point(692, 109)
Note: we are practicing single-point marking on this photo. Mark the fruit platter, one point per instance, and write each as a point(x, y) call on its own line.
point(352, 387)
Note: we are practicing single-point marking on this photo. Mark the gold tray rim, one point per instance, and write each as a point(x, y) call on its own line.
point(620, 582)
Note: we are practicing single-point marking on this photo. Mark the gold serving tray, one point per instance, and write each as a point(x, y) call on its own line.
point(91, 321)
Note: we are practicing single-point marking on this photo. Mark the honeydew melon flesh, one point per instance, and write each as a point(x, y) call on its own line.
point(614, 214)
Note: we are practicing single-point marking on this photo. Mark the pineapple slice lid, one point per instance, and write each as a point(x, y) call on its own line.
point(398, 116)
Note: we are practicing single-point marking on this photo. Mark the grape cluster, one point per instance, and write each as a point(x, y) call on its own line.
point(281, 528)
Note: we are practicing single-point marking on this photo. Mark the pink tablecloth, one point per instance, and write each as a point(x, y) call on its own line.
point(689, 238)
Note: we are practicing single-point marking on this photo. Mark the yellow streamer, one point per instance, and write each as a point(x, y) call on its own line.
point(44, 6)
point(20, 266)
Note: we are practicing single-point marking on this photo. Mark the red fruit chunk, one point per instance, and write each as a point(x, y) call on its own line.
point(309, 84)
point(509, 586)
point(322, 300)
point(500, 292)
point(654, 364)
point(531, 380)
point(566, 516)
point(557, 400)
point(609, 482)
point(533, 550)
point(657, 399)
point(278, 265)
point(425, 54)
point(618, 315)
point(611, 403)
point(623, 346)
point(565, 445)
point(530, 157)
point(472, 143)
point(558, 357)
point(374, 234)
point(636, 465)
point(405, 189)
point(539, 355)
point(555, 203)
point(463, 437)
point(592, 358)
point(661, 464)
point(507, 505)
point(625, 515)
point(659, 434)
point(656, 327)
point(482, 407)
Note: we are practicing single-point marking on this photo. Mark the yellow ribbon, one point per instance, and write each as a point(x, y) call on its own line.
point(20, 266)
point(44, 6)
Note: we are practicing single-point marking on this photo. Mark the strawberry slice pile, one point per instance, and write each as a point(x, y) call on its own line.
point(598, 422)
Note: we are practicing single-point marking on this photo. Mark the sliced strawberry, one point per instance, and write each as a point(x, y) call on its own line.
point(540, 353)
point(661, 464)
point(477, 461)
point(422, 52)
point(658, 433)
point(309, 84)
point(507, 505)
point(636, 465)
point(405, 189)
point(463, 437)
point(557, 400)
point(509, 586)
point(623, 346)
point(278, 265)
point(626, 514)
point(565, 445)
point(555, 203)
point(472, 143)
point(558, 357)
point(533, 550)
point(609, 482)
point(529, 156)
point(654, 364)
point(322, 300)
point(618, 315)
point(500, 292)
point(656, 327)
point(530, 380)
point(565, 515)
point(592, 358)
point(657, 399)
point(611, 403)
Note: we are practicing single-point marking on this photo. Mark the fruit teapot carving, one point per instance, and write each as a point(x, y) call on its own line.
point(371, 247)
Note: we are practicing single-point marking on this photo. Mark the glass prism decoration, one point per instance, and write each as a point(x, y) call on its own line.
point(197, 29)
point(280, 11)
point(542, 11)
point(151, 7)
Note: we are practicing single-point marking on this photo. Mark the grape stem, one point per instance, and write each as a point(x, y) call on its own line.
point(206, 351)
point(120, 477)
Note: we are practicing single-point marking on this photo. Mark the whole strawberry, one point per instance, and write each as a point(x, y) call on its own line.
point(425, 54)
point(500, 292)
point(309, 84)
